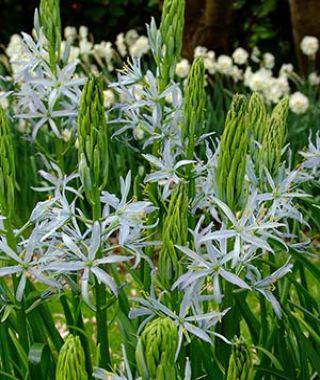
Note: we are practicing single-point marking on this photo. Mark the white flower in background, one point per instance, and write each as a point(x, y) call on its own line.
point(15, 47)
point(276, 88)
point(224, 64)
point(16, 53)
point(255, 55)
point(236, 73)
point(259, 80)
point(105, 51)
point(22, 126)
point(247, 76)
point(63, 46)
point(240, 56)
point(283, 84)
point(94, 70)
point(85, 47)
point(298, 103)
point(268, 60)
point(83, 32)
point(66, 135)
point(183, 68)
point(73, 54)
point(120, 44)
point(108, 98)
point(140, 47)
point(70, 33)
point(200, 51)
point(314, 79)
point(4, 103)
point(131, 36)
point(99, 49)
point(309, 45)
point(209, 62)
point(285, 69)
point(138, 133)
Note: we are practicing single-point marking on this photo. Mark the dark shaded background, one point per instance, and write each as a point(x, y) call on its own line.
point(265, 23)
point(105, 18)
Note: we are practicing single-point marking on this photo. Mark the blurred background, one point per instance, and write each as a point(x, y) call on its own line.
point(221, 25)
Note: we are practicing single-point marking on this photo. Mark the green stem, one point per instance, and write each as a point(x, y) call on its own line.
point(102, 326)
point(22, 323)
point(101, 308)
point(227, 325)
point(21, 314)
point(264, 321)
point(82, 334)
point(59, 153)
point(5, 354)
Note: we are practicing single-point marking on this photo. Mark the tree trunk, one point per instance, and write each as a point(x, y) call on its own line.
point(305, 16)
point(207, 24)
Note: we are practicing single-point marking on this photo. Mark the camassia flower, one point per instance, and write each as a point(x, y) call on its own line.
point(126, 214)
point(74, 260)
point(27, 263)
point(244, 229)
point(210, 264)
point(312, 155)
point(187, 323)
point(166, 175)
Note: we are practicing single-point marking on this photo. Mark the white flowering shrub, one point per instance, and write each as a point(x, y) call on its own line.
point(135, 242)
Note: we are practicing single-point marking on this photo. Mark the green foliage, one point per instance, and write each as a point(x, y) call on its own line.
point(263, 23)
point(71, 361)
point(156, 348)
point(7, 169)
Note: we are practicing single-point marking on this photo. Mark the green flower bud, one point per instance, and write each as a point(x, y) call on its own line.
point(7, 169)
point(273, 140)
point(171, 29)
point(156, 349)
point(175, 231)
point(240, 363)
point(257, 118)
point(233, 153)
point(93, 149)
point(71, 361)
point(51, 22)
point(194, 106)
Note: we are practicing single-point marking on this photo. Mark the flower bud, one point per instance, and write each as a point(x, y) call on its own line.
point(93, 150)
point(171, 29)
point(71, 361)
point(51, 24)
point(240, 362)
point(175, 231)
point(156, 349)
point(232, 156)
